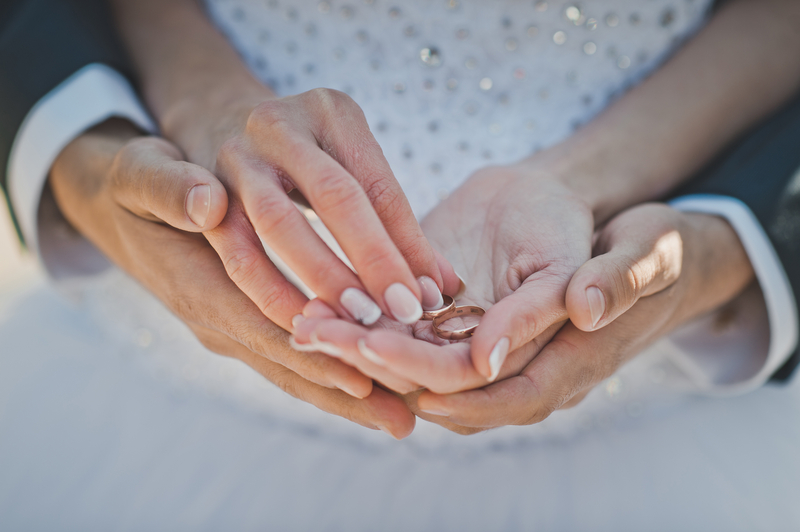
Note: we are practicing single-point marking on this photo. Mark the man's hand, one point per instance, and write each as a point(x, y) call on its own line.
point(665, 267)
point(118, 189)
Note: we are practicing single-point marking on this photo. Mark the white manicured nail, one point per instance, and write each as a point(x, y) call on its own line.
point(597, 304)
point(369, 354)
point(326, 347)
point(403, 304)
point(431, 296)
point(497, 357)
point(360, 306)
point(198, 204)
point(297, 320)
point(306, 348)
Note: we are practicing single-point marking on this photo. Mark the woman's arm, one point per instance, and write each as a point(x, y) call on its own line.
point(737, 70)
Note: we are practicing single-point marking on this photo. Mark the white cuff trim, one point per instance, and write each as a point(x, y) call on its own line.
point(779, 303)
point(88, 97)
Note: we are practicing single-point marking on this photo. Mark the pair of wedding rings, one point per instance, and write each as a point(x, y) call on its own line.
point(449, 311)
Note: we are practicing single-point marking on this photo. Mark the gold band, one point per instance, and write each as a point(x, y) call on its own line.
point(446, 307)
point(457, 312)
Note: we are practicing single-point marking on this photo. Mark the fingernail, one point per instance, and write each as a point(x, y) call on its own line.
point(297, 320)
point(360, 306)
point(348, 391)
point(436, 413)
point(301, 347)
point(326, 347)
point(384, 429)
point(431, 296)
point(369, 354)
point(462, 287)
point(597, 304)
point(403, 304)
point(198, 204)
point(497, 357)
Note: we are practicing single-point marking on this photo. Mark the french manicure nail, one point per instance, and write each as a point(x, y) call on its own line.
point(497, 357)
point(369, 354)
point(360, 306)
point(431, 296)
point(198, 204)
point(597, 304)
point(297, 320)
point(403, 304)
point(326, 347)
point(437, 413)
point(306, 348)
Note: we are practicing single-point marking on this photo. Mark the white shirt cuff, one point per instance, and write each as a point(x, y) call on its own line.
point(88, 97)
point(737, 348)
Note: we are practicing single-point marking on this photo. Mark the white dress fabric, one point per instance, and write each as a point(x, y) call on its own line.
point(112, 417)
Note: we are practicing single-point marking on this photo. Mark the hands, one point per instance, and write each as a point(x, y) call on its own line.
point(262, 148)
point(655, 268)
point(697, 263)
point(518, 235)
point(118, 188)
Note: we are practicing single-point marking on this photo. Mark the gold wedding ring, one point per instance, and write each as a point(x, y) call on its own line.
point(449, 304)
point(457, 312)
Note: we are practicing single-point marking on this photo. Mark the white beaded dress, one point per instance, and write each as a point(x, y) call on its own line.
point(160, 434)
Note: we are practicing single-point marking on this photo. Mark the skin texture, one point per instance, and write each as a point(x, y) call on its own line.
point(705, 267)
point(119, 189)
point(643, 145)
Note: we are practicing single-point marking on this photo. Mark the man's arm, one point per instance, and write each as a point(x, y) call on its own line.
point(761, 173)
point(60, 66)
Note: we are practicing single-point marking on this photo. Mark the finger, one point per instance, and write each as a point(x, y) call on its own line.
point(346, 341)
point(188, 276)
point(454, 286)
point(346, 210)
point(641, 255)
point(348, 137)
point(152, 181)
point(248, 266)
point(571, 363)
point(518, 318)
point(285, 230)
point(443, 368)
point(380, 410)
point(316, 308)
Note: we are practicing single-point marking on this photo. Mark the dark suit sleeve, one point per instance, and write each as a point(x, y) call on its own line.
point(42, 43)
point(761, 170)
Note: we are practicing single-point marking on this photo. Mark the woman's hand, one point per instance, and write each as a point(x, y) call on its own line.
point(262, 148)
point(118, 189)
point(666, 267)
point(518, 235)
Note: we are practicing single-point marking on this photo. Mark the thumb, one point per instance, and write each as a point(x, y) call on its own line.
point(642, 254)
point(152, 181)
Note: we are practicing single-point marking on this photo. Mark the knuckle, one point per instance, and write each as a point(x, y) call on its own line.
point(331, 102)
point(333, 191)
point(273, 295)
point(230, 153)
point(271, 213)
point(241, 265)
point(268, 116)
